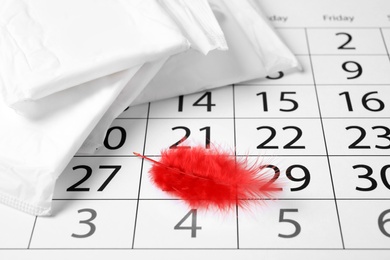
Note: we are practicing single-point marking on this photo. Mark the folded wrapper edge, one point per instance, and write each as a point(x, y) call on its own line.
point(29, 196)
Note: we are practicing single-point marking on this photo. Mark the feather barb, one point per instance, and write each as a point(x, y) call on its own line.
point(207, 177)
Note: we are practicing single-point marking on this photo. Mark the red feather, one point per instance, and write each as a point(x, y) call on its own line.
point(207, 178)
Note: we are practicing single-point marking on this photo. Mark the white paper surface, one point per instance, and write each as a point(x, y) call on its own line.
point(135, 220)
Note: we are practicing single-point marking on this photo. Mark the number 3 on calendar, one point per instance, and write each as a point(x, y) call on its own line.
point(88, 222)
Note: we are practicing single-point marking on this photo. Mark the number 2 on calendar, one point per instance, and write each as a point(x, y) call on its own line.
point(346, 45)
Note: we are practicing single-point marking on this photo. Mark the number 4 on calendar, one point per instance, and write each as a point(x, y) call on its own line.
point(193, 227)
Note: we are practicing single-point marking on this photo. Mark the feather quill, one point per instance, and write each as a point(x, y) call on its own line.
point(206, 178)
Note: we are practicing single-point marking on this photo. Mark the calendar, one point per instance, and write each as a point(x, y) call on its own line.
point(325, 130)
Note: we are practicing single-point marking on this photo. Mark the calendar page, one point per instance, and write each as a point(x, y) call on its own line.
point(325, 130)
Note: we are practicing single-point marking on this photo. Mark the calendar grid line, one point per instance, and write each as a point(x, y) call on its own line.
point(32, 233)
point(320, 155)
point(342, 55)
point(296, 155)
point(235, 156)
point(279, 117)
point(324, 139)
point(255, 117)
point(324, 117)
point(318, 84)
point(140, 178)
point(196, 249)
point(337, 55)
point(331, 27)
point(384, 42)
point(255, 155)
point(245, 199)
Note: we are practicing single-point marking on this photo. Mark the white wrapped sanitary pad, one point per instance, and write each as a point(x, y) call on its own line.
point(47, 46)
point(198, 23)
point(69, 68)
point(34, 150)
point(53, 115)
point(255, 51)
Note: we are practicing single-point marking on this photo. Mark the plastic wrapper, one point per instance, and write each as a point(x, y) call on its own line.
point(44, 123)
point(198, 23)
point(255, 51)
point(62, 90)
point(48, 46)
point(34, 150)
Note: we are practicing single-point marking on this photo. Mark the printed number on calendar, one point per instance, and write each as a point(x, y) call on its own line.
point(274, 77)
point(187, 133)
point(284, 219)
point(382, 221)
point(109, 144)
point(370, 179)
point(272, 134)
point(354, 68)
point(113, 170)
point(204, 101)
point(356, 144)
point(369, 102)
point(289, 173)
point(346, 44)
point(88, 222)
point(193, 227)
point(283, 98)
